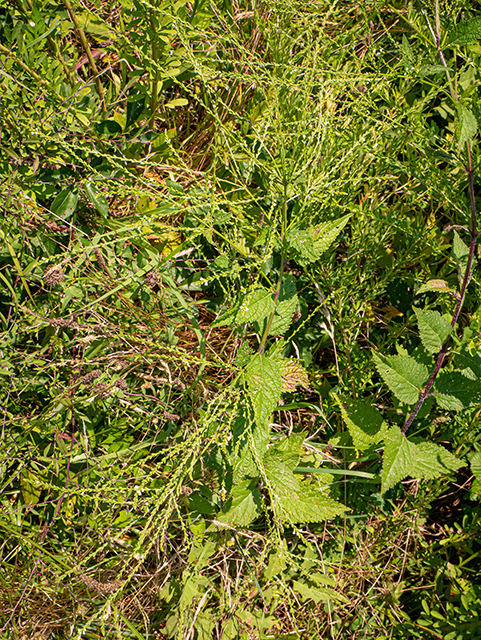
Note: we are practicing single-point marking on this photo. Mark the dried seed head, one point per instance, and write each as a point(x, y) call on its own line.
point(101, 587)
point(151, 279)
point(91, 376)
point(121, 383)
point(100, 258)
point(101, 389)
point(53, 275)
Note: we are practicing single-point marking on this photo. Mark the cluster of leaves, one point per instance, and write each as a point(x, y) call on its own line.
point(227, 229)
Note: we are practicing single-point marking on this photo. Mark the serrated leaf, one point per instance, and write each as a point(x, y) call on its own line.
point(287, 306)
point(403, 375)
point(475, 460)
point(364, 422)
point(455, 392)
point(293, 500)
point(467, 126)
point(293, 374)
point(403, 458)
point(409, 59)
point(65, 203)
point(264, 382)
point(318, 594)
point(249, 443)
point(434, 329)
point(464, 32)
point(243, 506)
point(97, 199)
point(255, 306)
point(469, 364)
point(309, 244)
point(460, 251)
point(436, 285)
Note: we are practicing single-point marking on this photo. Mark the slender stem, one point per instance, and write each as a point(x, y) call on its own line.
point(155, 84)
point(472, 245)
point(467, 277)
point(281, 275)
point(88, 53)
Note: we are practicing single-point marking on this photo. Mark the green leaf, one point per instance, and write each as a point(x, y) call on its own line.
point(464, 32)
point(255, 306)
point(456, 392)
point(243, 506)
point(436, 285)
point(468, 364)
point(287, 306)
point(308, 245)
point(364, 422)
point(403, 375)
point(475, 460)
point(403, 458)
point(65, 203)
point(467, 126)
point(264, 382)
point(434, 329)
point(409, 59)
point(97, 199)
point(460, 251)
point(318, 594)
point(293, 500)
point(178, 102)
point(134, 110)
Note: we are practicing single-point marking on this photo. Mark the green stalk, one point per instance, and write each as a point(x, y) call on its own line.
point(89, 55)
point(154, 98)
point(283, 266)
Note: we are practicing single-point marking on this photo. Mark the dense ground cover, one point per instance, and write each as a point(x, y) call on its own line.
point(240, 320)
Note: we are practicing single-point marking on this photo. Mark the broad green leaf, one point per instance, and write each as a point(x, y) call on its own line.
point(434, 329)
point(403, 375)
point(134, 110)
point(293, 500)
point(475, 460)
point(467, 126)
point(469, 364)
point(460, 251)
point(436, 285)
point(364, 422)
point(243, 506)
point(255, 306)
point(264, 382)
point(309, 244)
point(455, 392)
point(464, 32)
point(249, 444)
point(98, 199)
point(318, 594)
point(293, 374)
point(65, 203)
point(286, 307)
point(403, 458)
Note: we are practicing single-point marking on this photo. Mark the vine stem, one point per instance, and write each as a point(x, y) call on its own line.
point(467, 277)
point(472, 245)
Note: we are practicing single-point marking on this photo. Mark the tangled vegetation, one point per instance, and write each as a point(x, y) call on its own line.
point(240, 320)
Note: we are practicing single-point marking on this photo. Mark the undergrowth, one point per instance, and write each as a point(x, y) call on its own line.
point(240, 321)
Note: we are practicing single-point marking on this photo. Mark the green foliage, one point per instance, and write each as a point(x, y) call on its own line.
point(210, 234)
